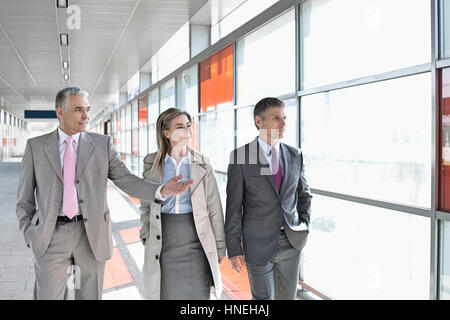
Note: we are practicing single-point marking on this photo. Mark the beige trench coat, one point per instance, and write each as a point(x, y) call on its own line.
point(208, 220)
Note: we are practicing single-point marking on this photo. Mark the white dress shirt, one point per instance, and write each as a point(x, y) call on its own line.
point(62, 148)
point(267, 150)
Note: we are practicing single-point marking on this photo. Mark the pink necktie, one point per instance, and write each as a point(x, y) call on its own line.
point(276, 168)
point(70, 198)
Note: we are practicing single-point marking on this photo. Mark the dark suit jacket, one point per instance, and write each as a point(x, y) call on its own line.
point(255, 211)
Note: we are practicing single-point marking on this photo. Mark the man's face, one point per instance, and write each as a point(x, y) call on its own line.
point(273, 124)
point(75, 117)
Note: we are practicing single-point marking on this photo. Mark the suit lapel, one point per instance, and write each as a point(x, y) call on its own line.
point(52, 152)
point(285, 158)
point(85, 150)
point(197, 170)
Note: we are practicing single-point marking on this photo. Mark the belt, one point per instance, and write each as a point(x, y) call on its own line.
point(66, 219)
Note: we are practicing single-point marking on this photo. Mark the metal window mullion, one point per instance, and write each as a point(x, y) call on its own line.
point(235, 92)
point(434, 253)
point(399, 73)
point(442, 216)
point(443, 63)
point(298, 69)
point(376, 203)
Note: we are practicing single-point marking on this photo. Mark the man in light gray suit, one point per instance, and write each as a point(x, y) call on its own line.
point(268, 207)
point(61, 200)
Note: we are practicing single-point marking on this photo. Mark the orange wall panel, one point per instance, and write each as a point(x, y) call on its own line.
point(216, 80)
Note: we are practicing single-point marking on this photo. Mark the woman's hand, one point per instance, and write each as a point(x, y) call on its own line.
point(221, 259)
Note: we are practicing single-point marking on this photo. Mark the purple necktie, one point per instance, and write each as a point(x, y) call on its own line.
point(276, 168)
point(70, 198)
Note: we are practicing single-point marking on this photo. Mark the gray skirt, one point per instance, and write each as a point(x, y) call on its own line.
point(185, 272)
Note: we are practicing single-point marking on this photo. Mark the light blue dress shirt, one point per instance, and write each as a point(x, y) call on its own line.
point(180, 203)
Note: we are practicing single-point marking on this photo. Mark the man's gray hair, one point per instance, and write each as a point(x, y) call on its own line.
point(61, 96)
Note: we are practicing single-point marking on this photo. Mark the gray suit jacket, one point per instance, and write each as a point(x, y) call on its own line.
point(40, 190)
point(255, 211)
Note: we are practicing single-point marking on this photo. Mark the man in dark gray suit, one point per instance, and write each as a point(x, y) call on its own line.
point(268, 207)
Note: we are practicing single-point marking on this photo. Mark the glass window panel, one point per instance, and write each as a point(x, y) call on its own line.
point(222, 186)
point(143, 143)
point(133, 86)
point(113, 123)
point(135, 165)
point(141, 166)
point(153, 106)
point(195, 129)
point(123, 119)
point(143, 111)
point(372, 140)
point(152, 141)
point(119, 144)
point(128, 141)
point(256, 76)
point(134, 114)
point(128, 161)
point(173, 54)
point(444, 286)
point(225, 19)
point(376, 37)
point(128, 116)
point(446, 29)
point(187, 90)
point(114, 137)
point(382, 254)
point(214, 144)
point(444, 182)
point(119, 121)
point(167, 99)
point(216, 80)
point(135, 141)
point(246, 130)
point(291, 133)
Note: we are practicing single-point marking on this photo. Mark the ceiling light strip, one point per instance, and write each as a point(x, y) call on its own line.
point(60, 51)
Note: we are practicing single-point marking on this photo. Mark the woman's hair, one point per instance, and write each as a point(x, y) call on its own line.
point(163, 123)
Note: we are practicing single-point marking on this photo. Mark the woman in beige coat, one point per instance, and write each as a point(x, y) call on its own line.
point(183, 236)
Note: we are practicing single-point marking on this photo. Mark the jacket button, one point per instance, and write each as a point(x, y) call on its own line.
point(78, 181)
point(158, 237)
point(157, 217)
point(81, 201)
point(156, 257)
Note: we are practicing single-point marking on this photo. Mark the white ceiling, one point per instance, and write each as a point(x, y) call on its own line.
point(115, 39)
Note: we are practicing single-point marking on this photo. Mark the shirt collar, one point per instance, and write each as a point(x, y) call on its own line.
point(63, 136)
point(170, 158)
point(266, 147)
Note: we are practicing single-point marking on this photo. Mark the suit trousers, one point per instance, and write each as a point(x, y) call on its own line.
point(69, 253)
point(278, 278)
